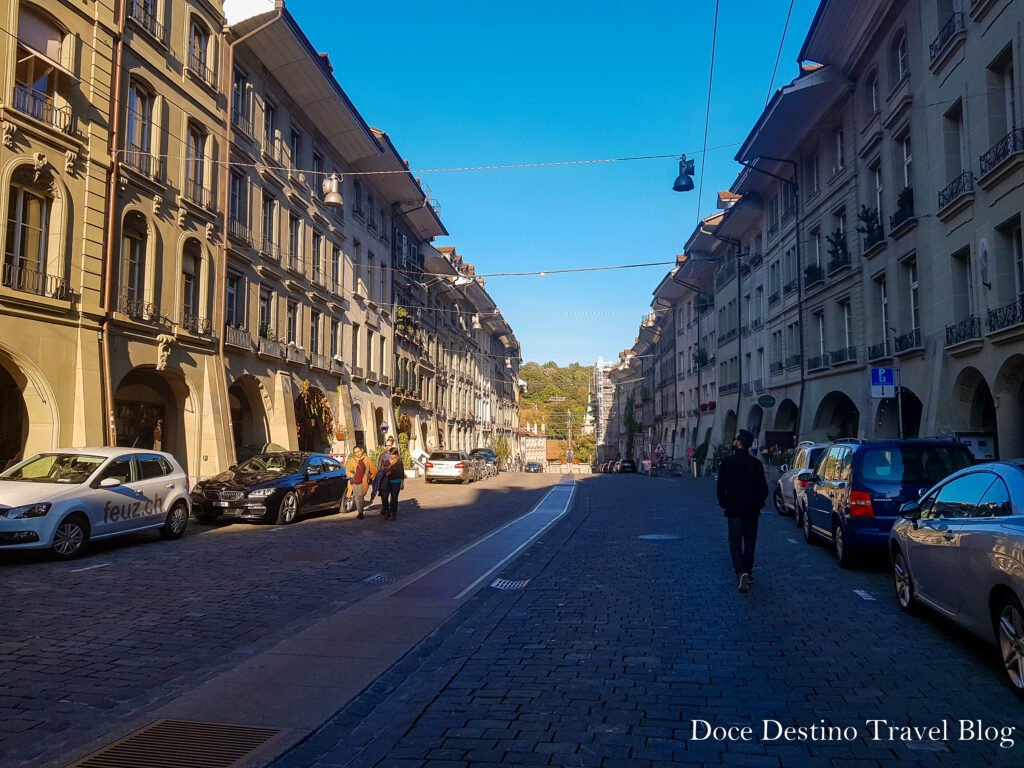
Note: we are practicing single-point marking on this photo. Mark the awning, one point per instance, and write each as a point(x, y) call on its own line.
point(793, 112)
point(33, 53)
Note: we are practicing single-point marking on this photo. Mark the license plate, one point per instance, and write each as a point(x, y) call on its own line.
point(220, 504)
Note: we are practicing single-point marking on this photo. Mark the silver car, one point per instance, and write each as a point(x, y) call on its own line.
point(960, 551)
point(788, 497)
point(452, 466)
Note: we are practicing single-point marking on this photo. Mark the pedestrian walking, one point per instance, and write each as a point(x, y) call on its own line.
point(377, 489)
point(393, 483)
point(742, 492)
point(361, 469)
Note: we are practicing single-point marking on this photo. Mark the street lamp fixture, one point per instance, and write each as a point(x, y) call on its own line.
point(684, 181)
point(332, 191)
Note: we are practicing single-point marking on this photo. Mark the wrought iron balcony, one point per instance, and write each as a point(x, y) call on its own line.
point(876, 351)
point(729, 335)
point(756, 324)
point(758, 385)
point(337, 366)
point(41, 106)
point(198, 193)
point(34, 282)
point(813, 274)
point(198, 67)
point(874, 237)
point(1010, 144)
point(319, 361)
point(1005, 317)
point(908, 341)
point(270, 249)
point(239, 231)
point(195, 324)
point(817, 362)
point(138, 309)
point(790, 287)
point(237, 337)
point(295, 354)
point(961, 185)
point(774, 298)
point(949, 29)
point(274, 150)
point(357, 372)
point(271, 348)
point(842, 261)
point(843, 355)
point(145, 19)
point(901, 215)
point(793, 361)
point(776, 366)
point(965, 330)
point(141, 160)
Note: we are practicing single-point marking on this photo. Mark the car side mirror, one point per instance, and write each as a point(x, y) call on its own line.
point(784, 468)
point(109, 482)
point(911, 511)
point(312, 470)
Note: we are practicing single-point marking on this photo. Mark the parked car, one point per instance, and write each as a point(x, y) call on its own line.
point(857, 488)
point(272, 488)
point(245, 452)
point(61, 500)
point(534, 466)
point(451, 466)
point(488, 455)
point(789, 494)
point(960, 551)
point(625, 465)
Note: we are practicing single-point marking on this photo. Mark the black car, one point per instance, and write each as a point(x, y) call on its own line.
point(272, 487)
point(534, 466)
point(625, 465)
point(488, 455)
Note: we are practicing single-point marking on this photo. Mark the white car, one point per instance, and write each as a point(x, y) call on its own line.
point(60, 500)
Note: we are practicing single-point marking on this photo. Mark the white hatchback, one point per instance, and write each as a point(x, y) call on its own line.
point(60, 500)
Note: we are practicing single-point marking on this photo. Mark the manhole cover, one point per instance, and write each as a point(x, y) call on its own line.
point(658, 536)
point(378, 578)
point(506, 584)
point(177, 743)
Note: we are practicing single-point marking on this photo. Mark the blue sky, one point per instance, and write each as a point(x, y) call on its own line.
point(470, 83)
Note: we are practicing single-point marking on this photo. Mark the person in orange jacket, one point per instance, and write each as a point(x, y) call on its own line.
point(360, 470)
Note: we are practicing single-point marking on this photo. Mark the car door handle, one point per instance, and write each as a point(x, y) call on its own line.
point(170, 485)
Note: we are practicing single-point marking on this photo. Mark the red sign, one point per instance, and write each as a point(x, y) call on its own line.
point(659, 450)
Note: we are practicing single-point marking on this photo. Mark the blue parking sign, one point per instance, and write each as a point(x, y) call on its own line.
point(883, 382)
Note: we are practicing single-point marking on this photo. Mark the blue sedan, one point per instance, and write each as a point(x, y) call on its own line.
point(272, 487)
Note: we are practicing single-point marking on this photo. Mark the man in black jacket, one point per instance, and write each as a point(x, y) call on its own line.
point(742, 491)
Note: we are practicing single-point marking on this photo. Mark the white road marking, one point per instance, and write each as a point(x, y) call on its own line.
point(90, 567)
point(792, 541)
point(863, 594)
point(276, 529)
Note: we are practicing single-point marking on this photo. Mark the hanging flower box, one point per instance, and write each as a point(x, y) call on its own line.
point(703, 406)
point(711, 405)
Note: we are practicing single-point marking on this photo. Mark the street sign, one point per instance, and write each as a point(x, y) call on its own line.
point(883, 382)
point(659, 450)
point(766, 401)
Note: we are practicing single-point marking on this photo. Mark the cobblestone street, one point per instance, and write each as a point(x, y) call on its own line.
point(88, 643)
point(630, 628)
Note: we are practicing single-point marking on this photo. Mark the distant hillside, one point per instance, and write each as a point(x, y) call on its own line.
point(569, 385)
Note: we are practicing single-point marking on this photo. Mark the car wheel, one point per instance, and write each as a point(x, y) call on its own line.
point(466, 480)
point(70, 538)
point(1010, 636)
point(289, 509)
point(903, 582)
point(798, 514)
point(809, 536)
point(176, 523)
point(780, 505)
point(844, 552)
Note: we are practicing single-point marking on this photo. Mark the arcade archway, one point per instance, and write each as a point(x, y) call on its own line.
point(837, 417)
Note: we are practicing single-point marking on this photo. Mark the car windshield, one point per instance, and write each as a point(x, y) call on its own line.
point(66, 468)
point(275, 463)
point(441, 456)
point(917, 464)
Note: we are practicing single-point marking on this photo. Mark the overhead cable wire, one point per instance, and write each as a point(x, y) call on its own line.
point(707, 113)
point(775, 69)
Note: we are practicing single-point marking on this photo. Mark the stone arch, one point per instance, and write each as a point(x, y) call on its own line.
point(729, 427)
point(358, 430)
point(887, 417)
point(136, 223)
point(1009, 401)
point(755, 417)
point(156, 410)
point(378, 422)
point(787, 417)
point(312, 413)
point(249, 403)
point(28, 410)
point(837, 417)
point(193, 253)
point(973, 407)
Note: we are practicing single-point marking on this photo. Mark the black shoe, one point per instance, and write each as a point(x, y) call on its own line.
point(744, 585)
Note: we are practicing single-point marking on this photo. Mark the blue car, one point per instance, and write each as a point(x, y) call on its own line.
point(272, 488)
point(857, 489)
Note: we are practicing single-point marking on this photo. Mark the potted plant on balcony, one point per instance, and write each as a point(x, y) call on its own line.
point(813, 274)
point(870, 225)
point(905, 202)
point(837, 248)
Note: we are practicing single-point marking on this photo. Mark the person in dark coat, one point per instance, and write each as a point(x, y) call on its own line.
point(742, 492)
point(393, 482)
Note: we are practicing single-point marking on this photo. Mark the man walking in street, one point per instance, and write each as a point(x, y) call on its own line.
point(742, 492)
point(361, 469)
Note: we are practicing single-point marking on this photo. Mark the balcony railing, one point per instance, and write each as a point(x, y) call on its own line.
point(875, 351)
point(793, 361)
point(295, 354)
point(843, 355)
point(961, 185)
point(901, 215)
point(195, 324)
point(965, 330)
point(274, 150)
point(319, 361)
point(907, 341)
point(198, 67)
point(36, 283)
point(141, 160)
point(729, 335)
point(790, 287)
point(337, 366)
point(756, 323)
point(40, 106)
point(271, 348)
point(842, 261)
point(138, 309)
point(239, 231)
point(776, 366)
point(949, 29)
point(874, 237)
point(237, 337)
point(1010, 144)
point(197, 193)
point(1005, 317)
point(817, 362)
point(774, 298)
point(141, 16)
point(242, 122)
point(270, 249)
point(357, 372)
point(758, 385)
point(725, 274)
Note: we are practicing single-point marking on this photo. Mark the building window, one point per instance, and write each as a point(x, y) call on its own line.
point(838, 138)
point(910, 269)
point(269, 204)
point(356, 360)
point(241, 106)
point(883, 312)
point(199, 57)
point(1018, 258)
point(28, 224)
point(335, 341)
point(267, 321)
point(907, 156)
point(295, 241)
point(236, 198)
point(294, 147)
point(1002, 99)
point(139, 129)
point(963, 284)
point(876, 175)
point(195, 165)
point(318, 167)
point(873, 102)
point(314, 332)
point(191, 259)
point(318, 247)
point(847, 313)
point(292, 319)
point(269, 122)
point(953, 136)
point(336, 268)
point(371, 276)
point(133, 255)
point(234, 309)
point(898, 58)
point(819, 321)
point(41, 85)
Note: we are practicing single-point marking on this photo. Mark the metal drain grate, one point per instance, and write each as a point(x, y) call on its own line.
point(180, 744)
point(379, 578)
point(506, 584)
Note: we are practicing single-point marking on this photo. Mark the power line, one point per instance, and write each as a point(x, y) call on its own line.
point(707, 113)
point(778, 56)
